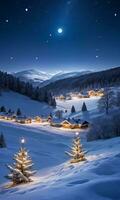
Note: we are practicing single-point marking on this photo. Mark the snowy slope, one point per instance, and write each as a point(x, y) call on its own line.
point(28, 107)
point(98, 178)
point(12, 100)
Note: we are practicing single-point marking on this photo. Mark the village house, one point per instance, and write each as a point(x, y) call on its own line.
point(98, 93)
point(10, 116)
point(70, 124)
point(2, 115)
point(66, 124)
point(23, 120)
point(38, 119)
point(62, 97)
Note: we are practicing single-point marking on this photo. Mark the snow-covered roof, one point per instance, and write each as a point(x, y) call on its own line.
point(66, 122)
point(21, 117)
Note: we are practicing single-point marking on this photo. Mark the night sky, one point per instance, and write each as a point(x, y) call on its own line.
point(52, 35)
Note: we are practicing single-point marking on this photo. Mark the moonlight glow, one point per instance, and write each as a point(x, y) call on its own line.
point(60, 30)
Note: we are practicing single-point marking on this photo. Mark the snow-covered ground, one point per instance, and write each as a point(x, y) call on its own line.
point(98, 178)
point(31, 108)
point(91, 103)
point(13, 101)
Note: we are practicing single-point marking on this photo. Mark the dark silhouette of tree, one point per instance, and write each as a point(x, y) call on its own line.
point(84, 107)
point(18, 112)
point(73, 109)
point(3, 109)
point(2, 141)
point(9, 111)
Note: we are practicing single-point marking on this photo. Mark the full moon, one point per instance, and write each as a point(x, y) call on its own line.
point(60, 30)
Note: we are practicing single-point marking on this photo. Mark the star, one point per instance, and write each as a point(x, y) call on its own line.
point(11, 58)
point(97, 56)
point(6, 20)
point(60, 30)
point(115, 14)
point(36, 58)
point(26, 9)
point(50, 35)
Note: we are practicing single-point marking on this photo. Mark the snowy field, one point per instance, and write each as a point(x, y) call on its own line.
point(91, 104)
point(98, 178)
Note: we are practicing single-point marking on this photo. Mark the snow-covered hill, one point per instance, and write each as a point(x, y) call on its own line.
point(39, 78)
point(98, 178)
point(12, 100)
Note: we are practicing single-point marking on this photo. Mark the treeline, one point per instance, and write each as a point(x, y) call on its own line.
point(8, 81)
point(95, 80)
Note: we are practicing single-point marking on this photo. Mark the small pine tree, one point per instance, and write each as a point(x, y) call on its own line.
point(2, 109)
point(18, 112)
point(84, 107)
point(2, 141)
point(73, 109)
point(77, 153)
point(9, 111)
point(21, 169)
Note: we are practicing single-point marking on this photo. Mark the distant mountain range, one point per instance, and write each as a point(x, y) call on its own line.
point(93, 80)
point(33, 76)
point(41, 79)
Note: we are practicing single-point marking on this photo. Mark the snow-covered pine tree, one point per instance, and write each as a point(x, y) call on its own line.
point(76, 153)
point(2, 141)
point(21, 169)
